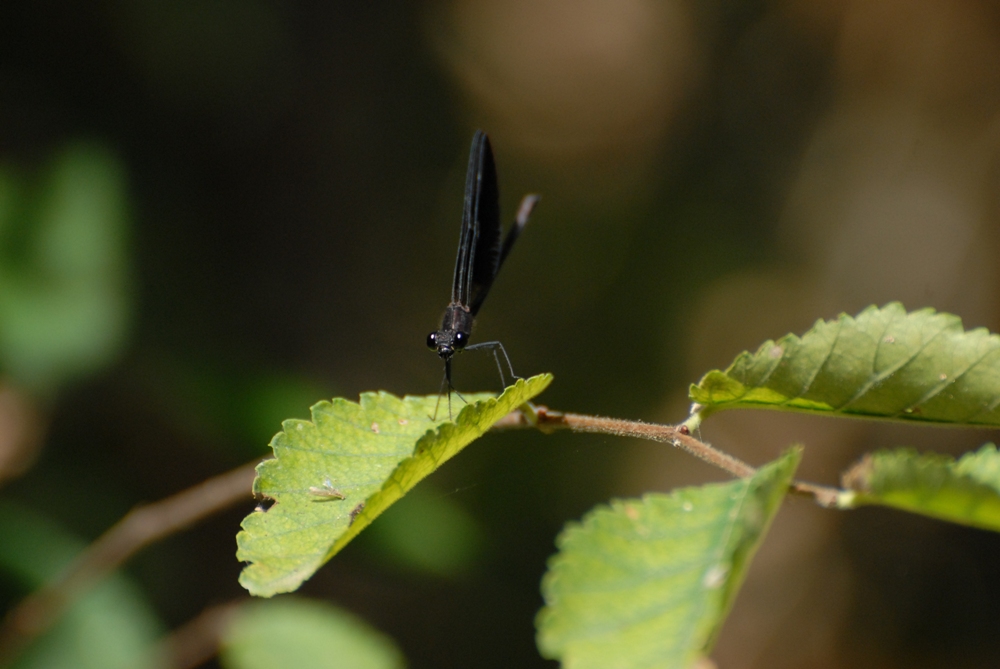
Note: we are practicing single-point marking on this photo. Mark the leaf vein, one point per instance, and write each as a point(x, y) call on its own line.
point(899, 366)
point(819, 368)
point(948, 382)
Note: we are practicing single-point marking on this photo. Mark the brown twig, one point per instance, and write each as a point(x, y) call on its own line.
point(823, 495)
point(675, 435)
point(547, 420)
point(197, 641)
point(139, 528)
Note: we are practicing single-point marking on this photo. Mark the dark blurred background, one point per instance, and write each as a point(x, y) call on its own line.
point(214, 213)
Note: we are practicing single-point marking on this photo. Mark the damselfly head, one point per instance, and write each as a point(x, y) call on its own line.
point(447, 342)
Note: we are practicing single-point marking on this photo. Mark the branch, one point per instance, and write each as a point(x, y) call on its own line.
point(823, 495)
point(152, 522)
point(547, 420)
point(140, 527)
point(197, 641)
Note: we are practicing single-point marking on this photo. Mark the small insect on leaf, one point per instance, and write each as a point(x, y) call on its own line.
point(355, 511)
point(326, 493)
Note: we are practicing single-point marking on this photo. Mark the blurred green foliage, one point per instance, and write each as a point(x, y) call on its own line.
point(111, 627)
point(428, 532)
point(64, 293)
point(297, 633)
point(238, 409)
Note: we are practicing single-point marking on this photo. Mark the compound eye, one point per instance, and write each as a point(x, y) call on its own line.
point(461, 339)
point(432, 340)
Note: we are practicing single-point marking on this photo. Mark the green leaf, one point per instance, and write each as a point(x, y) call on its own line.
point(648, 583)
point(964, 491)
point(884, 363)
point(331, 477)
point(304, 634)
point(110, 627)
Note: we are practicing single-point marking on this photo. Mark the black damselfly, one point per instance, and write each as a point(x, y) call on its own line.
point(481, 251)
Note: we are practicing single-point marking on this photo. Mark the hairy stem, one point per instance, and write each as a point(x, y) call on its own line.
point(667, 434)
point(676, 435)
